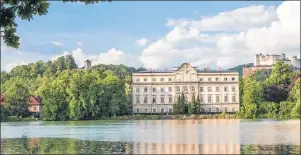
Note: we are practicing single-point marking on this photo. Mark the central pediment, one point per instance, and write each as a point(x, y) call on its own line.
point(186, 73)
point(186, 67)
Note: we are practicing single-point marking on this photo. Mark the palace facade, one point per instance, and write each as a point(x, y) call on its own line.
point(157, 91)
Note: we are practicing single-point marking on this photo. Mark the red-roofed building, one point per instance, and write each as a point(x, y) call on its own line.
point(34, 103)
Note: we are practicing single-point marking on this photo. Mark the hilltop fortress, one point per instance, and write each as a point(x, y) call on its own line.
point(267, 61)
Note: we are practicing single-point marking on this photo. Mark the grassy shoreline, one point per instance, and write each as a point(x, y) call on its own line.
point(143, 117)
point(148, 117)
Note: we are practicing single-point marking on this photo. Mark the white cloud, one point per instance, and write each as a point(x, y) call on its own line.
point(142, 42)
point(57, 43)
point(112, 56)
point(257, 29)
point(79, 43)
point(13, 64)
point(238, 19)
point(207, 42)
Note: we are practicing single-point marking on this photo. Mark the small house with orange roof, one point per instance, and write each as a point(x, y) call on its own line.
point(34, 103)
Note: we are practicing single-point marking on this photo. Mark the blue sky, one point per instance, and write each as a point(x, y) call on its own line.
point(103, 26)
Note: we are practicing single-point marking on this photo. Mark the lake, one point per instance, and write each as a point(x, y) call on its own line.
point(208, 136)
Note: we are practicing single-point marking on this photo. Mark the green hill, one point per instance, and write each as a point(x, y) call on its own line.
point(239, 68)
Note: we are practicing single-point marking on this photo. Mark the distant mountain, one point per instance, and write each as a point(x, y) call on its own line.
point(239, 68)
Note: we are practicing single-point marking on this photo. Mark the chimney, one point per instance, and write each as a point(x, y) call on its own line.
point(165, 69)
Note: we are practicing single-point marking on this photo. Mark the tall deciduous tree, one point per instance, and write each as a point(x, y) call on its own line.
point(253, 95)
point(17, 98)
point(281, 74)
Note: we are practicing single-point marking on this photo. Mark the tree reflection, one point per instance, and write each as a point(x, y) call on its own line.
point(26, 145)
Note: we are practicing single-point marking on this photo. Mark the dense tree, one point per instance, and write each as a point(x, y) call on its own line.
point(252, 96)
point(16, 98)
point(281, 74)
point(193, 107)
point(268, 110)
point(70, 63)
point(294, 97)
point(3, 112)
point(262, 75)
point(285, 109)
point(274, 93)
point(25, 10)
point(180, 107)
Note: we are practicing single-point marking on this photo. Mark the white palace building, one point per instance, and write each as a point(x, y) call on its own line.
point(157, 91)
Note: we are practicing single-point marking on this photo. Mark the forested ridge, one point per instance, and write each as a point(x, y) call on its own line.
point(67, 92)
point(70, 93)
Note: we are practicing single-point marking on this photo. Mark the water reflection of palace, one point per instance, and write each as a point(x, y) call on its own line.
point(187, 137)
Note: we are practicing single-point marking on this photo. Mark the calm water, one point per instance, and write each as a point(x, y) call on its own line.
point(155, 136)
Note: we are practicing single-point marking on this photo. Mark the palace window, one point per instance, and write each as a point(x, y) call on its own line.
point(162, 99)
point(145, 110)
point(201, 79)
point(162, 90)
point(154, 79)
point(137, 90)
point(225, 109)
point(209, 89)
point(162, 110)
point(202, 109)
point(169, 79)
point(178, 89)
point(154, 99)
point(225, 79)
point(217, 98)
point(233, 79)
point(161, 79)
point(233, 98)
point(217, 109)
point(137, 110)
point(145, 100)
point(201, 89)
point(145, 89)
point(154, 89)
point(154, 110)
point(225, 89)
point(216, 79)
point(217, 89)
point(137, 100)
point(34, 108)
point(209, 79)
point(209, 98)
point(169, 99)
point(209, 109)
point(233, 89)
point(170, 110)
point(169, 89)
point(145, 79)
point(233, 109)
point(226, 98)
point(202, 98)
point(137, 80)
